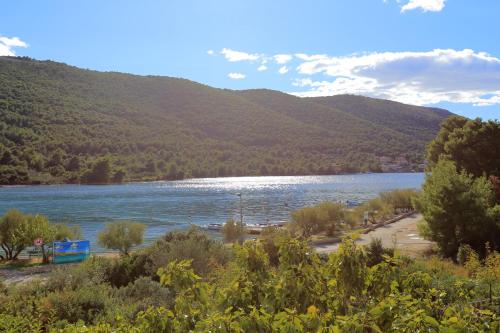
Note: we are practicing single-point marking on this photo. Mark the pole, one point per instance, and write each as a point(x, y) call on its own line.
point(241, 208)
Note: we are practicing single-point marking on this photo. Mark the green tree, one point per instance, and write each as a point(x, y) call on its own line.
point(458, 209)
point(233, 231)
point(119, 176)
point(73, 164)
point(471, 144)
point(122, 236)
point(99, 174)
point(15, 233)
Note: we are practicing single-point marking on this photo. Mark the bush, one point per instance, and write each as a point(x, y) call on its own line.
point(271, 238)
point(93, 271)
point(400, 199)
point(324, 217)
point(375, 252)
point(87, 303)
point(126, 270)
point(205, 252)
point(144, 293)
point(233, 231)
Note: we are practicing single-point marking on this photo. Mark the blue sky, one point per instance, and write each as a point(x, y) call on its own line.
point(427, 52)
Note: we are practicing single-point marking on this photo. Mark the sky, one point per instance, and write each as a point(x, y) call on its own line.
point(442, 53)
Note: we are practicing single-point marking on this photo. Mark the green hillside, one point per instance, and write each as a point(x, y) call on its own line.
point(419, 122)
point(64, 124)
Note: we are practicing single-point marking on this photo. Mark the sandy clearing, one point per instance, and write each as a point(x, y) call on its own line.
point(402, 234)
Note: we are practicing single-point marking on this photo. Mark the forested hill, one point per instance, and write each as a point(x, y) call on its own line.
point(64, 124)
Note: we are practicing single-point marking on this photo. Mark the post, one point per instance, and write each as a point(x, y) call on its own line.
point(241, 208)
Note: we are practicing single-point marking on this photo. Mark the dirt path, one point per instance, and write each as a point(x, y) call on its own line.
point(16, 275)
point(402, 233)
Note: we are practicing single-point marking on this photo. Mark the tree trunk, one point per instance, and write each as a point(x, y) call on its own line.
point(17, 253)
point(44, 255)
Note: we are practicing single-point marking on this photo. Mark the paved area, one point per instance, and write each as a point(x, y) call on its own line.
point(402, 234)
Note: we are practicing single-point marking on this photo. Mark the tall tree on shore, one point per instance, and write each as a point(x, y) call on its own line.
point(459, 209)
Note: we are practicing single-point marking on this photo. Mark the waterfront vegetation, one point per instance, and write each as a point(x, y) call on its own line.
point(187, 281)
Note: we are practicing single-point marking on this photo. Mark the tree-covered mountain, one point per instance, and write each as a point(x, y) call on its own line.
point(59, 123)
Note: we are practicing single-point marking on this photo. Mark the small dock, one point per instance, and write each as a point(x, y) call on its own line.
point(252, 229)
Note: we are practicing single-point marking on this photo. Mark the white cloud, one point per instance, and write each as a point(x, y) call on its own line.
point(233, 56)
point(411, 77)
point(283, 70)
point(236, 76)
point(262, 68)
point(282, 59)
point(421, 78)
point(425, 5)
point(210, 52)
point(7, 44)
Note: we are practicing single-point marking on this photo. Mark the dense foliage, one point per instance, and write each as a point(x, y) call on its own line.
point(63, 124)
point(352, 290)
point(460, 199)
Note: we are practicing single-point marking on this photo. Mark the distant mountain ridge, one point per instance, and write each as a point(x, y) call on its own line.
point(58, 121)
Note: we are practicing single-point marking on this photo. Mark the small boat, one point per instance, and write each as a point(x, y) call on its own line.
point(214, 226)
point(352, 203)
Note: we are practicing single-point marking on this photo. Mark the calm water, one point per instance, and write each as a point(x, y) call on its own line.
point(165, 206)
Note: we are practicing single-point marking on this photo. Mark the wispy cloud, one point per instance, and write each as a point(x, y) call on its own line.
point(210, 52)
point(236, 76)
point(425, 5)
point(7, 44)
point(233, 56)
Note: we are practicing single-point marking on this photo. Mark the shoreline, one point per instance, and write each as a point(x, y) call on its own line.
point(195, 178)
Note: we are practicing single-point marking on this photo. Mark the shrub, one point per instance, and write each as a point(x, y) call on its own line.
point(144, 293)
point(400, 199)
point(87, 303)
point(204, 252)
point(375, 252)
point(271, 237)
point(71, 277)
point(233, 231)
point(324, 217)
point(127, 269)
